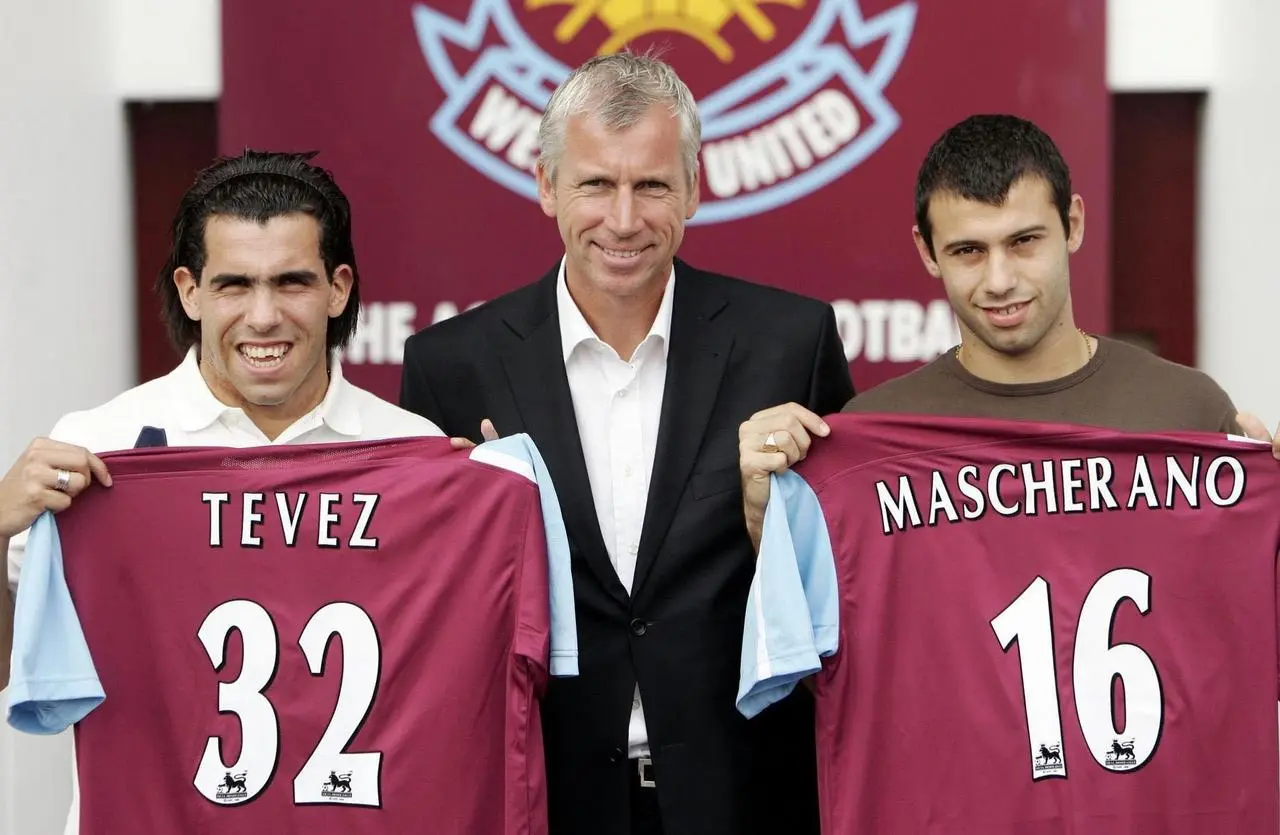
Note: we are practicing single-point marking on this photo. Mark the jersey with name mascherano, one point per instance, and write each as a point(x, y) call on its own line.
point(1026, 628)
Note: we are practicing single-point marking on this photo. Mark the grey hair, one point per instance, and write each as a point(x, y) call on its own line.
point(618, 90)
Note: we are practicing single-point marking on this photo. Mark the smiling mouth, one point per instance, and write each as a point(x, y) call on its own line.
point(1007, 310)
point(624, 254)
point(264, 356)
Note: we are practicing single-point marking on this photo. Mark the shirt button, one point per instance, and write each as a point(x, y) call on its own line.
point(639, 627)
point(627, 471)
point(634, 549)
point(617, 755)
point(622, 392)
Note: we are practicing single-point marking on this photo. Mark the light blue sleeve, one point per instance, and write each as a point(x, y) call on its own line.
point(53, 683)
point(793, 607)
point(564, 621)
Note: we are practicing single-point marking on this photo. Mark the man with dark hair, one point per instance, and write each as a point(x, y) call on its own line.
point(981, 159)
point(997, 222)
point(263, 186)
point(858, 584)
point(260, 289)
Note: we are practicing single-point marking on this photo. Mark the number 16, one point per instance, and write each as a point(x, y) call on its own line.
point(1097, 664)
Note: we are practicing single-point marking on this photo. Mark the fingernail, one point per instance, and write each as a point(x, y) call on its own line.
point(825, 428)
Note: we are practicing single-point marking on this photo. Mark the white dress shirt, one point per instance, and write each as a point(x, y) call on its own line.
point(617, 403)
point(182, 404)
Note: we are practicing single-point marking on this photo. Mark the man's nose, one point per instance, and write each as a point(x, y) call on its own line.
point(264, 310)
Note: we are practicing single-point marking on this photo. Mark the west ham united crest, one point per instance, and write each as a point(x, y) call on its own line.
point(786, 106)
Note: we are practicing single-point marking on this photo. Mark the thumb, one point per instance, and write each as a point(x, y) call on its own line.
point(1253, 426)
point(487, 431)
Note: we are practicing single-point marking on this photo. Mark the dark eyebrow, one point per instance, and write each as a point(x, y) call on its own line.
point(295, 275)
point(1039, 227)
point(222, 279)
point(228, 278)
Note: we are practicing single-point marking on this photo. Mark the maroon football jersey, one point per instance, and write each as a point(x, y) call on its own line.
point(328, 639)
point(1025, 628)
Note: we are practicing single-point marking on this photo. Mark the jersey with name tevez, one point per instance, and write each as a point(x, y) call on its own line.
point(343, 638)
point(1026, 628)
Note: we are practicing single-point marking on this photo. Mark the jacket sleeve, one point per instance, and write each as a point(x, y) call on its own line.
point(415, 392)
point(830, 384)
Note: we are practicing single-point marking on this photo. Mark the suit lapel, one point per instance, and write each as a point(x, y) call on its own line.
point(696, 360)
point(535, 371)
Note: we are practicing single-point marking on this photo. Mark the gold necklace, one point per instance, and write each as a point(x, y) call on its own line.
point(1088, 344)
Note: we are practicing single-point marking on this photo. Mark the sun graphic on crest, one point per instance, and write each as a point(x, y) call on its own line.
point(631, 19)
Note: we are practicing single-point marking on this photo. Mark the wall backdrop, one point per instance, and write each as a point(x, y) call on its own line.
point(816, 115)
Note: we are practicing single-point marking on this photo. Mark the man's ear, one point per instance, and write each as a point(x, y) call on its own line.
point(922, 248)
point(188, 292)
point(546, 191)
point(695, 197)
point(1075, 224)
point(340, 290)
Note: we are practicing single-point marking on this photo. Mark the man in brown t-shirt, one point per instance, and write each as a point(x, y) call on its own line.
point(997, 222)
point(1119, 386)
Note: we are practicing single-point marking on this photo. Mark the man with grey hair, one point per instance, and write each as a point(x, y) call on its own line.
point(631, 370)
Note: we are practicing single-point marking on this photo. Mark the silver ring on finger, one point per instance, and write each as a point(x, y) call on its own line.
point(63, 482)
point(770, 444)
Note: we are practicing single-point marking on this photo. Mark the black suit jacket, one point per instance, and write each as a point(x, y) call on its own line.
point(735, 348)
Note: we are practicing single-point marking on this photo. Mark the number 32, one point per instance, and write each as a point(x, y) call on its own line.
point(330, 775)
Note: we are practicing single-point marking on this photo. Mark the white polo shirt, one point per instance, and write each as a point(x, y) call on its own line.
point(182, 405)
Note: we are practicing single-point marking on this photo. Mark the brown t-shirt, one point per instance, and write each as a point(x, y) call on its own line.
point(1122, 387)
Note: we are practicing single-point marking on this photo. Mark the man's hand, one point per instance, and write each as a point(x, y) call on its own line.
point(788, 428)
point(1256, 429)
point(32, 484)
point(486, 431)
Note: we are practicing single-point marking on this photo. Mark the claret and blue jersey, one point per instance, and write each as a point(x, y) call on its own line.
point(1018, 627)
point(331, 638)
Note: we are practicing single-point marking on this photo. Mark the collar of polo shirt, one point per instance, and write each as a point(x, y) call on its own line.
point(198, 408)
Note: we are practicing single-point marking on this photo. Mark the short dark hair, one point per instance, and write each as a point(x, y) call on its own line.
point(258, 186)
point(982, 157)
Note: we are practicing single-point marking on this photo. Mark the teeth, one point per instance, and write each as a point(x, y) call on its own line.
point(260, 355)
point(621, 253)
point(262, 352)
